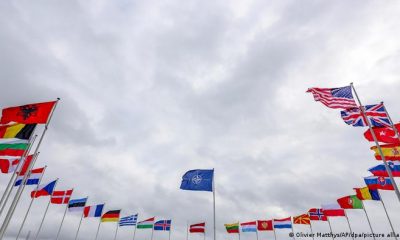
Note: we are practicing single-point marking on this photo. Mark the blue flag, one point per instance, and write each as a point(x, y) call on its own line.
point(198, 180)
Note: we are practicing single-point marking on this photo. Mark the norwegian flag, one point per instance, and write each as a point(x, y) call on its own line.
point(61, 197)
point(317, 214)
point(375, 113)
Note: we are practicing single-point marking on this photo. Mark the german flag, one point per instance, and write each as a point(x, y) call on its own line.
point(17, 130)
point(111, 216)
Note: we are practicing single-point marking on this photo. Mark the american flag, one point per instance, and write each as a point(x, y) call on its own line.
point(376, 114)
point(334, 97)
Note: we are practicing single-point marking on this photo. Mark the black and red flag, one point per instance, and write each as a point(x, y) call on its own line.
point(28, 114)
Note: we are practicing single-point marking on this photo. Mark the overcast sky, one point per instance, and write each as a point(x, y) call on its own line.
point(151, 89)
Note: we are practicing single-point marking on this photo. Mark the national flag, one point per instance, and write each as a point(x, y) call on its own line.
point(390, 151)
point(316, 214)
point(198, 180)
point(26, 164)
point(32, 179)
point(249, 226)
point(198, 228)
point(16, 131)
point(232, 227)
point(162, 225)
point(367, 194)
point(44, 190)
point(375, 183)
point(61, 197)
point(380, 169)
point(16, 148)
point(350, 202)
point(8, 164)
point(283, 223)
point(384, 134)
point(302, 219)
point(77, 205)
point(148, 223)
point(333, 210)
point(128, 220)
point(111, 216)
point(30, 113)
point(93, 211)
point(265, 225)
point(375, 113)
point(334, 97)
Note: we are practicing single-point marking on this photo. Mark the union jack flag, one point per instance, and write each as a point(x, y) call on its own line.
point(162, 225)
point(334, 97)
point(376, 114)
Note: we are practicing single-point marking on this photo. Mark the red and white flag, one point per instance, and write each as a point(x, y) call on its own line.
point(333, 210)
point(61, 197)
point(8, 164)
point(197, 228)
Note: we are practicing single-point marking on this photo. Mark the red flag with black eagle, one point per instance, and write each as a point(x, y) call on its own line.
point(28, 114)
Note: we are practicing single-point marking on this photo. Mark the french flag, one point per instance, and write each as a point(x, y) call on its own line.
point(380, 169)
point(33, 178)
point(44, 190)
point(382, 183)
point(93, 211)
point(283, 223)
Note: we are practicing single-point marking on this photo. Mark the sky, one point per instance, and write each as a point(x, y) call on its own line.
point(151, 89)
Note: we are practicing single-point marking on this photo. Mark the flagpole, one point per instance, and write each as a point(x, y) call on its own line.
point(330, 227)
point(292, 228)
point(187, 230)
point(204, 235)
point(213, 185)
point(134, 231)
point(41, 223)
point(387, 215)
point(273, 227)
point(152, 232)
point(30, 204)
point(348, 222)
point(170, 229)
point(312, 234)
point(80, 221)
point(9, 188)
point(62, 221)
point(28, 235)
point(391, 122)
point(256, 234)
point(98, 229)
point(389, 171)
point(116, 231)
point(11, 210)
point(369, 223)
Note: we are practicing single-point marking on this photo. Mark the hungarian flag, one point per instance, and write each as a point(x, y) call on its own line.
point(380, 170)
point(148, 223)
point(16, 131)
point(384, 134)
point(61, 197)
point(375, 183)
point(350, 202)
point(232, 227)
point(302, 219)
point(30, 113)
point(390, 151)
point(8, 164)
point(317, 214)
point(367, 194)
point(333, 210)
point(16, 148)
point(198, 228)
point(265, 225)
point(111, 216)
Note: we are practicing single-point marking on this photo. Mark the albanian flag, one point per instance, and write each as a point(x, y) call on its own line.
point(28, 114)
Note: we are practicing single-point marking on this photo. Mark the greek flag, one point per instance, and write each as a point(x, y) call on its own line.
point(128, 220)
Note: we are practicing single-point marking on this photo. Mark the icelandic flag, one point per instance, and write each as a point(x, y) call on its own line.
point(249, 226)
point(33, 178)
point(76, 205)
point(162, 225)
point(44, 190)
point(380, 169)
point(93, 211)
point(382, 183)
point(283, 223)
point(198, 180)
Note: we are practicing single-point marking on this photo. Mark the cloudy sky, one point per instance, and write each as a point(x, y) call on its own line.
point(151, 89)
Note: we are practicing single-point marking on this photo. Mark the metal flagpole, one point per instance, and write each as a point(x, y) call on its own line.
point(292, 228)
point(134, 231)
point(30, 205)
point(387, 215)
point(116, 231)
point(213, 185)
point(389, 171)
point(152, 232)
point(62, 221)
point(98, 229)
point(369, 223)
point(79, 226)
point(9, 188)
point(256, 234)
point(204, 235)
point(239, 234)
point(187, 230)
point(348, 222)
point(391, 122)
point(330, 227)
point(312, 234)
point(273, 227)
point(27, 236)
point(11, 210)
point(170, 228)
point(44, 216)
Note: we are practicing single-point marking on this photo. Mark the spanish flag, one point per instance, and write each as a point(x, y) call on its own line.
point(111, 216)
point(16, 130)
point(366, 194)
point(390, 151)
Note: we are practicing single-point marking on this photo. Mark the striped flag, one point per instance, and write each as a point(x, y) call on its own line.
point(334, 97)
point(128, 220)
point(33, 178)
point(77, 205)
point(93, 211)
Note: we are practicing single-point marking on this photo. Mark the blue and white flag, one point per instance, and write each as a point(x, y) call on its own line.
point(198, 180)
point(33, 178)
point(77, 205)
point(128, 220)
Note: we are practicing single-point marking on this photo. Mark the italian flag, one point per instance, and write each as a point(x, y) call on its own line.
point(148, 223)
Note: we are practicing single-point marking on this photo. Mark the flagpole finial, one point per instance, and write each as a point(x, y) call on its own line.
point(58, 99)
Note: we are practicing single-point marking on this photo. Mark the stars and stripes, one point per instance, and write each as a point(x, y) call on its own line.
point(334, 97)
point(128, 220)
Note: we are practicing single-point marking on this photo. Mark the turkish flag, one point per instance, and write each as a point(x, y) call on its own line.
point(383, 134)
point(28, 114)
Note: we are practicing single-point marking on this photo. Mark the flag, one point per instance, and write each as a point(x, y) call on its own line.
point(8, 164)
point(93, 211)
point(375, 113)
point(384, 134)
point(380, 169)
point(111, 216)
point(198, 228)
point(198, 180)
point(148, 223)
point(249, 226)
point(162, 225)
point(232, 227)
point(316, 214)
point(12, 132)
point(61, 197)
point(30, 113)
point(382, 183)
point(16, 148)
point(367, 194)
point(350, 202)
point(333, 210)
point(128, 220)
point(390, 151)
point(44, 190)
point(32, 179)
point(77, 205)
point(334, 97)
point(302, 219)
point(264, 225)
point(283, 223)
point(26, 163)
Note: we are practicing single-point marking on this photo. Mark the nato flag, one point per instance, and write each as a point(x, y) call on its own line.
point(198, 180)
